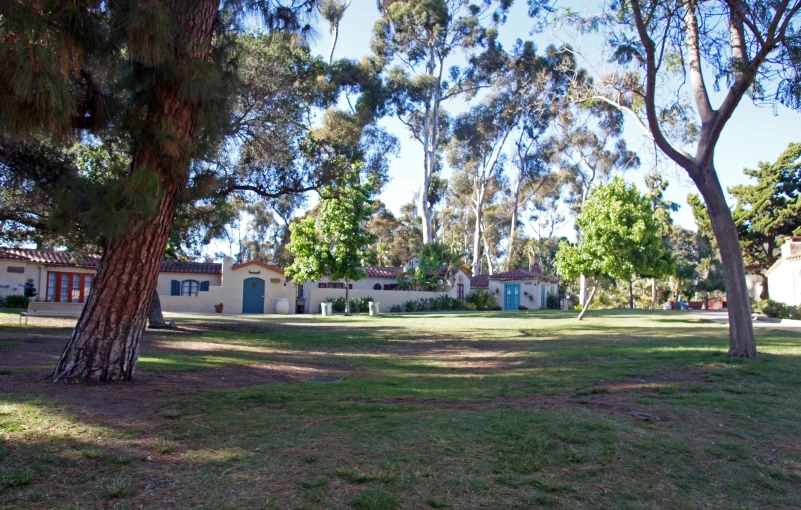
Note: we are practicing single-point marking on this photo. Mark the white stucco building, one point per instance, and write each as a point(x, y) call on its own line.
point(784, 277)
point(518, 287)
point(63, 277)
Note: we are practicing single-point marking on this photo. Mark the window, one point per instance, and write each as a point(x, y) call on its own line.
point(390, 286)
point(190, 287)
point(460, 291)
point(336, 285)
point(300, 290)
point(377, 286)
point(68, 287)
point(322, 285)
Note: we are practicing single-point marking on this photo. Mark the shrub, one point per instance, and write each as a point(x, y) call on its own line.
point(552, 302)
point(439, 303)
point(521, 308)
point(777, 310)
point(17, 301)
point(30, 288)
point(483, 299)
point(356, 305)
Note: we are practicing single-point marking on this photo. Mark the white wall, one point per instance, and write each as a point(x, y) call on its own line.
point(784, 282)
point(13, 283)
point(164, 284)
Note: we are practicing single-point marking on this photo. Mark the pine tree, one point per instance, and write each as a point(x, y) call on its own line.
point(158, 77)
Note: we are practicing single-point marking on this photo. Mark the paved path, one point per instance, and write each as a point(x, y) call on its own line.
point(722, 317)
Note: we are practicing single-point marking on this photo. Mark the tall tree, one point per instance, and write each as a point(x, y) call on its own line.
point(427, 38)
point(619, 239)
point(160, 77)
point(768, 211)
point(333, 243)
point(750, 47)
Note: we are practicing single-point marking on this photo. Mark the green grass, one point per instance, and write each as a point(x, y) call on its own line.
point(626, 409)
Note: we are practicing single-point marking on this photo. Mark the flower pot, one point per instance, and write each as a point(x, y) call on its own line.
point(282, 306)
point(218, 308)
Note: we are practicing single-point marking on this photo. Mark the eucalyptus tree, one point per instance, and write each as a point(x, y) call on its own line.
point(333, 11)
point(750, 48)
point(424, 41)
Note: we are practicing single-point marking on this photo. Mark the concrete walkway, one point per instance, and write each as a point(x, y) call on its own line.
point(722, 317)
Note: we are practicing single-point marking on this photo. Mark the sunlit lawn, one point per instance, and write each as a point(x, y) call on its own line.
point(499, 410)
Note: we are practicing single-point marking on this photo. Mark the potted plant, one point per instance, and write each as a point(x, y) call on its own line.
point(218, 308)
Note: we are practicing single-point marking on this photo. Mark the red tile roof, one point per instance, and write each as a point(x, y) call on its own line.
point(482, 280)
point(169, 266)
point(260, 264)
point(382, 272)
point(479, 281)
point(64, 258)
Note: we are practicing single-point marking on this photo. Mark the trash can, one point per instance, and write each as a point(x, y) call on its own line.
point(374, 308)
point(325, 308)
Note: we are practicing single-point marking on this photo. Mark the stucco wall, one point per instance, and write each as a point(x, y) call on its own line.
point(784, 282)
point(13, 283)
point(533, 287)
point(164, 284)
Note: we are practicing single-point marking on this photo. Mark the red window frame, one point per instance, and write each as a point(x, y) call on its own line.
point(460, 291)
point(71, 277)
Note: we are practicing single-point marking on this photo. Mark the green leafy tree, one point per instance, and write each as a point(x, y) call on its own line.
point(750, 48)
point(333, 243)
point(619, 239)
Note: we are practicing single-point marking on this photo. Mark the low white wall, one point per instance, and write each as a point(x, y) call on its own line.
point(784, 283)
point(386, 298)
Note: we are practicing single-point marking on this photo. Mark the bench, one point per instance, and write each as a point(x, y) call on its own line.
point(52, 310)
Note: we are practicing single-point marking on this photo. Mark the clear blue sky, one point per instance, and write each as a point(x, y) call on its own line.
point(753, 134)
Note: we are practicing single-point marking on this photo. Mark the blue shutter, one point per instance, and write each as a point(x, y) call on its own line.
point(175, 290)
point(204, 286)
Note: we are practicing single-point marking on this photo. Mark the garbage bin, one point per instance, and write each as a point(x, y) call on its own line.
point(374, 308)
point(325, 308)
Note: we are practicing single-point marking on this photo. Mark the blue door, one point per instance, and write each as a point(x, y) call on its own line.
point(253, 296)
point(511, 296)
point(544, 302)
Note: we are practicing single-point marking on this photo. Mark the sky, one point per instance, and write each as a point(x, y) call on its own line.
point(752, 135)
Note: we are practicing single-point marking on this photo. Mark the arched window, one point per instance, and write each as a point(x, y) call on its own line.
point(189, 287)
point(377, 286)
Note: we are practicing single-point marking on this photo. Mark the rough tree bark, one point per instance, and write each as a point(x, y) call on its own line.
point(155, 319)
point(105, 343)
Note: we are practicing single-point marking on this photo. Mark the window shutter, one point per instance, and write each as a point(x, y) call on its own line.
point(204, 286)
point(350, 286)
point(321, 285)
point(175, 289)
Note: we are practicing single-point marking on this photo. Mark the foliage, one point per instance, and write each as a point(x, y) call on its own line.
point(437, 263)
point(433, 304)
point(359, 305)
point(620, 237)
point(769, 210)
point(778, 310)
point(333, 244)
point(483, 299)
point(552, 302)
point(17, 301)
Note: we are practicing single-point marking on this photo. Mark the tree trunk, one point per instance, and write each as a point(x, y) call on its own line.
point(155, 319)
point(425, 212)
point(587, 304)
point(631, 295)
point(764, 294)
point(347, 298)
point(513, 228)
point(653, 294)
point(477, 243)
point(583, 290)
point(742, 343)
point(334, 43)
point(105, 342)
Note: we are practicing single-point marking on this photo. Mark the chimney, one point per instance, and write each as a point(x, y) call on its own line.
point(791, 247)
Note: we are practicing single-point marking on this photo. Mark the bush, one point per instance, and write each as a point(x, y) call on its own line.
point(552, 302)
point(17, 301)
point(483, 299)
point(521, 308)
point(777, 310)
point(439, 303)
point(30, 288)
point(356, 305)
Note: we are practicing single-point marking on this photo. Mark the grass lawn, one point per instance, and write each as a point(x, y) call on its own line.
point(627, 409)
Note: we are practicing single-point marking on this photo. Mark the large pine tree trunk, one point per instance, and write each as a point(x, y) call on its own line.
point(105, 343)
point(742, 343)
